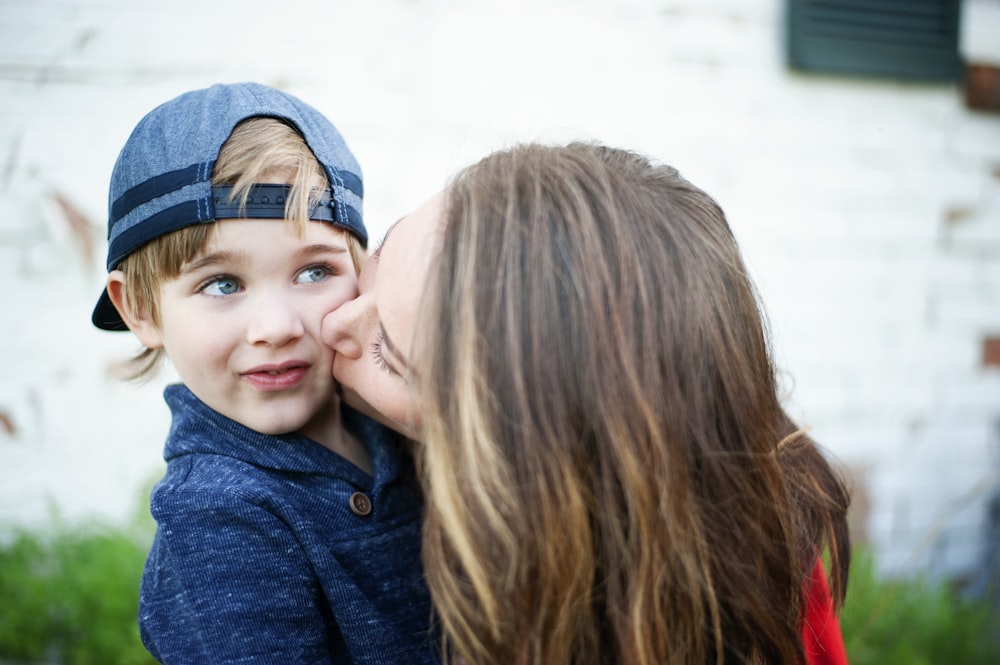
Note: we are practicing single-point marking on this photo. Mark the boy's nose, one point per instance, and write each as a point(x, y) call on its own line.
point(274, 321)
point(345, 328)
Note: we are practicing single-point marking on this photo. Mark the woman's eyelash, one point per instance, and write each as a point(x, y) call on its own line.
point(376, 349)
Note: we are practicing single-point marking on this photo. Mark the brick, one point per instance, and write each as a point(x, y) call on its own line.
point(991, 351)
point(981, 87)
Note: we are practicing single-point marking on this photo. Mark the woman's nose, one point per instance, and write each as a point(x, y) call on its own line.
point(345, 328)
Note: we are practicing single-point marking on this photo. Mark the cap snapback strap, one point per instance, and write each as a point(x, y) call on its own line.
point(267, 202)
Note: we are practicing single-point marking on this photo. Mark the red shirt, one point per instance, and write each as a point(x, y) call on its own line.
point(821, 636)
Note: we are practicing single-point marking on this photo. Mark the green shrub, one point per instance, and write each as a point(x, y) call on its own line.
point(915, 622)
point(69, 595)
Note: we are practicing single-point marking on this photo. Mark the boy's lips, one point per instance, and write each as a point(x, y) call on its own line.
point(277, 377)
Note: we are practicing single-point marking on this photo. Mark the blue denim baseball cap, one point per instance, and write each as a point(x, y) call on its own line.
point(161, 181)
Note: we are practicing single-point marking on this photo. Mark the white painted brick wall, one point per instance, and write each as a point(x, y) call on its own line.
point(869, 211)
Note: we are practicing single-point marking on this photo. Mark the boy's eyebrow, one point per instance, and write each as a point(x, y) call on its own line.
point(228, 257)
point(210, 260)
point(320, 248)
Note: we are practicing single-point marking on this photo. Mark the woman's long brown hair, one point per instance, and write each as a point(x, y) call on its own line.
point(611, 477)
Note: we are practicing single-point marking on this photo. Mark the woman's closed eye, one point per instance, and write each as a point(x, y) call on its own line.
point(376, 351)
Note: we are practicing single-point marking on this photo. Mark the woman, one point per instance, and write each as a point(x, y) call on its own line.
point(572, 335)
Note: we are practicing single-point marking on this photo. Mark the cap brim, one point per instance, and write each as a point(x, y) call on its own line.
point(105, 315)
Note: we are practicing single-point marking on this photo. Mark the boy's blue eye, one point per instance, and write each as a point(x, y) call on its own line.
point(221, 286)
point(314, 274)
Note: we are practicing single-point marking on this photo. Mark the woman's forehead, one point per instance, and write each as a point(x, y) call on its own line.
point(416, 230)
point(405, 258)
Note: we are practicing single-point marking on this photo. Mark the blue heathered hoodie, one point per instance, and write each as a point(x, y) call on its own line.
point(274, 549)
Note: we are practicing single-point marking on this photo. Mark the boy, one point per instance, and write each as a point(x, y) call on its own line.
point(288, 526)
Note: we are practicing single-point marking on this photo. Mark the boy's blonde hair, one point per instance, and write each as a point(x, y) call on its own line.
point(259, 150)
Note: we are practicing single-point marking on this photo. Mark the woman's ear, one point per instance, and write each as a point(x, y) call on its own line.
point(140, 323)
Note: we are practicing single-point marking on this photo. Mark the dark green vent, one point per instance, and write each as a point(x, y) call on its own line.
point(903, 39)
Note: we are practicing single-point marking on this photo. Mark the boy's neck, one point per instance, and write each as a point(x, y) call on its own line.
point(329, 431)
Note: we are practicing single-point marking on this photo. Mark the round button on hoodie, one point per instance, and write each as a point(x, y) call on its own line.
point(361, 504)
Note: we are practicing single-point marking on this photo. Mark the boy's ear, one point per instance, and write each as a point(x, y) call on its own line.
point(140, 323)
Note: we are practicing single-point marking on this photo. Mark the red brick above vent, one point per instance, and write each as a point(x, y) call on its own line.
point(991, 352)
point(982, 87)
